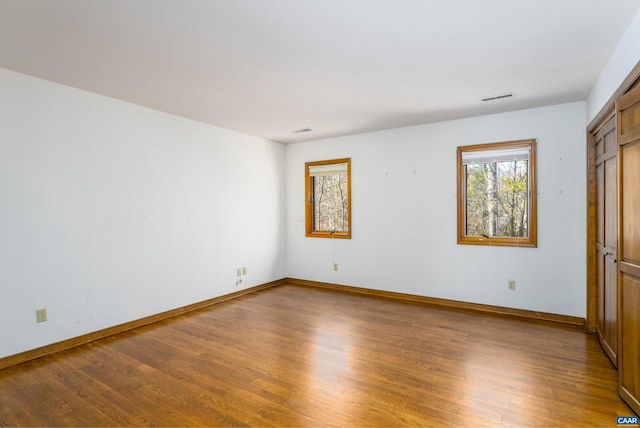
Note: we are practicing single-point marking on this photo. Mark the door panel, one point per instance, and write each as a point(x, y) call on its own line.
point(611, 309)
point(631, 205)
point(628, 113)
point(609, 254)
point(600, 306)
point(630, 119)
point(630, 340)
point(610, 205)
point(607, 238)
point(600, 206)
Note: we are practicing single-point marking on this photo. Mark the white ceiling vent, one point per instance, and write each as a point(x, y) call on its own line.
point(497, 97)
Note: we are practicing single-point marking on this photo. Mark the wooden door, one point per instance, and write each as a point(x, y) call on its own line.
point(628, 115)
point(607, 238)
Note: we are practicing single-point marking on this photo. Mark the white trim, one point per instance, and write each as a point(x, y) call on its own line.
point(493, 156)
point(329, 169)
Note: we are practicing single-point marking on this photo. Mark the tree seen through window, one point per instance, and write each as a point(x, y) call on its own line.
point(328, 198)
point(497, 203)
point(497, 194)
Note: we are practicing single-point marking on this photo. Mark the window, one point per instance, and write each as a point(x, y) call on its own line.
point(328, 198)
point(497, 194)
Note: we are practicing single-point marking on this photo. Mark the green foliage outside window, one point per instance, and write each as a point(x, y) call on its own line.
point(497, 199)
point(497, 202)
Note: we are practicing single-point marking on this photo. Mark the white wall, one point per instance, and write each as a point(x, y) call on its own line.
point(624, 58)
point(404, 214)
point(111, 212)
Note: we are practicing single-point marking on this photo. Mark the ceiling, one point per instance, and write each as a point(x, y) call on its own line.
point(270, 67)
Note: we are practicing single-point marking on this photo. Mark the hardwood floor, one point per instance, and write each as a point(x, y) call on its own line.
point(296, 356)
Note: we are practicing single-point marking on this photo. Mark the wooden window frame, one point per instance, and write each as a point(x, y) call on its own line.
point(530, 241)
point(309, 202)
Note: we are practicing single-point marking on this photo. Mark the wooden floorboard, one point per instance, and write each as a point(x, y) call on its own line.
point(299, 356)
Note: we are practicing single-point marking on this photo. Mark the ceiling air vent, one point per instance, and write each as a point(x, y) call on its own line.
point(496, 97)
point(299, 131)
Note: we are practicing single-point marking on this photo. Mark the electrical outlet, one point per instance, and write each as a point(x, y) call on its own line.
point(41, 315)
point(244, 270)
point(335, 266)
point(511, 285)
point(239, 271)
